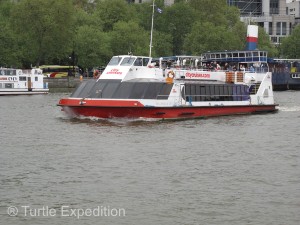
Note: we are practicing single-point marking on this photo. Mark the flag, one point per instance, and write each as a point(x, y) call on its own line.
point(159, 10)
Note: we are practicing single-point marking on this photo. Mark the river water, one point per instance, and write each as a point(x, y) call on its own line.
point(225, 170)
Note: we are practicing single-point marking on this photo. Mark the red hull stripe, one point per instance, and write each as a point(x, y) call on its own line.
point(99, 102)
point(252, 39)
point(164, 112)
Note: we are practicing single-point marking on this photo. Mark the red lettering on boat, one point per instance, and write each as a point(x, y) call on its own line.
point(114, 71)
point(197, 75)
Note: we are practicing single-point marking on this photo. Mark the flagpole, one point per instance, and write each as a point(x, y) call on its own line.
point(151, 36)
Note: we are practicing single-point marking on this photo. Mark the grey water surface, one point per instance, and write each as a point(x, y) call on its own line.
point(224, 170)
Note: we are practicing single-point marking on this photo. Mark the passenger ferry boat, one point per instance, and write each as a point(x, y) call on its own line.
point(285, 74)
point(178, 87)
point(22, 82)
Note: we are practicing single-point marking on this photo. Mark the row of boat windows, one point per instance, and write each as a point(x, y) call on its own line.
point(24, 79)
point(235, 54)
point(123, 90)
point(6, 85)
point(295, 75)
point(216, 92)
point(8, 72)
point(146, 90)
point(128, 61)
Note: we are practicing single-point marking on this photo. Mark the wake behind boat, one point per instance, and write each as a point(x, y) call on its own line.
point(176, 87)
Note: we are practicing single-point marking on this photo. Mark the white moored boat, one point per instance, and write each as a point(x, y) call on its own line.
point(22, 82)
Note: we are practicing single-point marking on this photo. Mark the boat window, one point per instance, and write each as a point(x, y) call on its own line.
point(36, 78)
point(8, 72)
point(22, 78)
point(110, 89)
point(255, 53)
point(96, 91)
point(8, 85)
point(83, 90)
point(208, 93)
point(138, 91)
point(138, 62)
point(127, 61)
point(165, 91)
point(145, 61)
point(153, 90)
point(114, 61)
point(123, 90)
point(196, 92)
point(242, 54)
point(0, 85)
point(201, 93)
point(235, 54)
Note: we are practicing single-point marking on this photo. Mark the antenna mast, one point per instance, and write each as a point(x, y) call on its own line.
point(151, 36)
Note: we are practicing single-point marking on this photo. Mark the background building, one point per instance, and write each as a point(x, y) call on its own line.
point(277, 17)
point(294, 9)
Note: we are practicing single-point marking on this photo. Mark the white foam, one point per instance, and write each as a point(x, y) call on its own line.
point(289, 109)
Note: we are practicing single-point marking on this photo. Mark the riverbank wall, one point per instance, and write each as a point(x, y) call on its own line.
point(67, 84)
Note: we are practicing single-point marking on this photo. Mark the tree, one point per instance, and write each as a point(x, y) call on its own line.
point(207, 37)
point(213, 11)
point(45, 29)
point(162, 44)
point(9, 50)
point(113, 11)
point(265, 44)
point(92, 46)
point(177, 21)
point(129, 37)
point(290, 47)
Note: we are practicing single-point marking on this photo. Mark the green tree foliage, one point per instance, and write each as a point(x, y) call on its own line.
point(113, 11)
point(8, 55)
point(265, 44)
point(218, 27)
point(176, 20)
point(45, 28)
point(129, 37)
point(213, 11)
point(207, 37)
point(33, 32)
point(162, 44)
point(290, 47)
point(92, 47)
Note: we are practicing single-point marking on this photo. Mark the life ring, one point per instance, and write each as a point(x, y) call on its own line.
point(171, 74)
